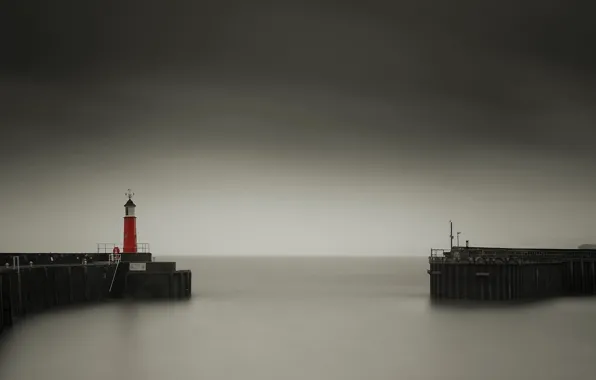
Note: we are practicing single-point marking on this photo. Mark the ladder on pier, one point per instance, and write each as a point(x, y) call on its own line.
point(114, 259)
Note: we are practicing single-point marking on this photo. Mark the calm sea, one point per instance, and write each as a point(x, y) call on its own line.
point(305, 318)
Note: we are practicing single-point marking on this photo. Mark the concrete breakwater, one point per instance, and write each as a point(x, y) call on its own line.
point(31, 283)
point(501, 274)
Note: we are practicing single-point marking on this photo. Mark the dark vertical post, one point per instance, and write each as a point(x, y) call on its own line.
point(537, 276)
point(442, 280)
point(571, 277)
point(448, 281)
point(451, 235)
point(457, 281)
point(593, 279)
point(438, 279)
point(70, 295)
point(518, 283)
point(16, 262)
point(54, 287)
point(433, 279)
point(514, 280)
point(1, 305)
point(499, 281)
point(490, 269)
point(520, 280)
point(508, 279)
point(452, 279)
point(430, 275)
point(46, 287)
point(86, 283)
point(583, 286)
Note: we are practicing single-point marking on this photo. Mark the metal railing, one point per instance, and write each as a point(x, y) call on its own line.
point(109, 248)
point(114, 258)
point(438, 252)
point(143, 248)
point(106, 247)
point(440, 256)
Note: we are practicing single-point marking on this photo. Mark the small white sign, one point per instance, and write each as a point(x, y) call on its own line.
point(138, 267)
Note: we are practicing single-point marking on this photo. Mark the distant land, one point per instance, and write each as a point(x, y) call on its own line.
point(587, 246)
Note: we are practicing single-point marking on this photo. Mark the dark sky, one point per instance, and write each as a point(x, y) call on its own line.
point(311, 127)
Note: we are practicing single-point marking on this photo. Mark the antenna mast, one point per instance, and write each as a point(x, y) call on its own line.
point(451, 235)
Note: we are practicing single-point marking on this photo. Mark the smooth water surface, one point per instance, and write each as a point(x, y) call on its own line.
point(305, 318)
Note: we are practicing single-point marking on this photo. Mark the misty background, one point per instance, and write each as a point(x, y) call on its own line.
point(297, 128)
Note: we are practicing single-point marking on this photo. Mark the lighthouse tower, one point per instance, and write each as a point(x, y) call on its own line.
point(130, 225)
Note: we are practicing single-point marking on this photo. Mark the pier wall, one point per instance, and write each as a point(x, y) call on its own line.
point(580, 277)
point(155, 280)
point(70, 279)
point(496, 281)
point(31, 290)
point(503, 275)
point(155, 284)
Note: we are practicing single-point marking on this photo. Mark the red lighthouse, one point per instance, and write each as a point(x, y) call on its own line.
point(130, 225)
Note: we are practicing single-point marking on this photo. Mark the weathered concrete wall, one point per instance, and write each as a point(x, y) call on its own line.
point(580, 277)
point(35, 289)
point(511, 281)
point(45, 281)
point(155, 284)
